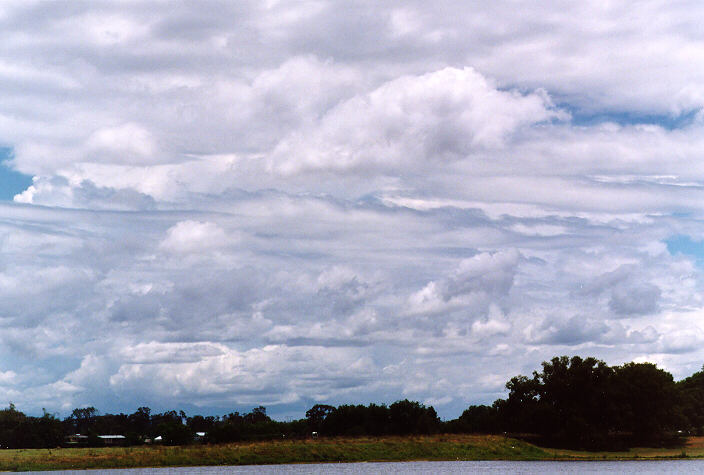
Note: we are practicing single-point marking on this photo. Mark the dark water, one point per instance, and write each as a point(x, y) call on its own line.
point(664, 466)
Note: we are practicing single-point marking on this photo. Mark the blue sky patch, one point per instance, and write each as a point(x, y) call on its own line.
point(681, 244)
point(624, 118)
point(11, 182)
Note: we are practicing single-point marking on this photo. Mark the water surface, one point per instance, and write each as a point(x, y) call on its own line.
point(541, 467)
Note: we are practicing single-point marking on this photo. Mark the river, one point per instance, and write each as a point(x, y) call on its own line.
point(659, 466)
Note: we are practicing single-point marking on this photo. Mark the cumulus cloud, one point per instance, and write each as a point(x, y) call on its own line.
point(193, 236)
point(412, 121)
point(481, 280)
point(572, 331)
point(635, 299)
point(127, 143)
point(252, 377)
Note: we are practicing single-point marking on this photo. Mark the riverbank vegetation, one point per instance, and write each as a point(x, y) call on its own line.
point(584, 403)
point(329, 450)
point(359, 449)
point(570, 403)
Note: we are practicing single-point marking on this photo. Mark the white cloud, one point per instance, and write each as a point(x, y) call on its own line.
point(477, 282)
point(243, 376)
point(127, 143)
point(193, 236)
point(412, 121)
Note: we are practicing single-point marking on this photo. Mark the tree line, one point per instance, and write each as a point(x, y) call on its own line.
point(18, 430)
point(584, 403)
point(573, 402)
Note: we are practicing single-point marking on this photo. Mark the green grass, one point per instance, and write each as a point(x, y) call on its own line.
point(693, 448)
point(363, 449)
point(462, 447)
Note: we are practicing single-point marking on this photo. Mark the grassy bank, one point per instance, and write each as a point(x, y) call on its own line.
point(693, 448)
point(463, 447)
point(440, 447)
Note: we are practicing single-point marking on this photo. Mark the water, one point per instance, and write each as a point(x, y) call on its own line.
point(660, 466)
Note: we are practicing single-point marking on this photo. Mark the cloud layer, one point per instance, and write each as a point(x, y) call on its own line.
point(286, 204)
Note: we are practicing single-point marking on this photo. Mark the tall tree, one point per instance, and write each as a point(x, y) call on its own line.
point(647, 400)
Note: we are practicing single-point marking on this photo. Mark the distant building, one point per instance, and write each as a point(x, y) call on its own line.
point(76, 439)
point(113, 439)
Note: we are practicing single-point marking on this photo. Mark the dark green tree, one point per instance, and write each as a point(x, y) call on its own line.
point(412, 417)
point(315, 416)
point(586, 403)
point(646, 401)
point(575, 402)
point(257, 415)
point(480, 419)
point(83, 419)
point(691, 393)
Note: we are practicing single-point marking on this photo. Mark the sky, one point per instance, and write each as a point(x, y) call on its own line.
point(215, 205)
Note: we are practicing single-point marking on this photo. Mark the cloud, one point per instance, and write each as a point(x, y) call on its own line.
point(572, 331)
point(193, 236)
point(476, 282)
point(630, 294)
point(422, 120)
point(681, 341)
point(127, 143)
point(58, 191)
point(247, 377)
point(282, 204)
point(635, 299)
